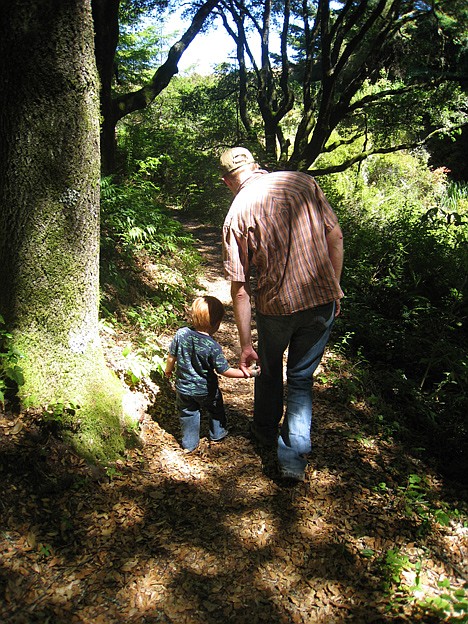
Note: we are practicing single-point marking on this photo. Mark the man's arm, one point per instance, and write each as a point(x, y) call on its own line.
point(335, 252)
point(240, 293)
point(335, 249)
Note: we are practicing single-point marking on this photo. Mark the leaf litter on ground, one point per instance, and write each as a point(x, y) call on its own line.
point(167, 536)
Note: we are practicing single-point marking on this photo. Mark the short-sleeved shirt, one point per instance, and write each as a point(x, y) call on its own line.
point(198, 357)
point(278, 223)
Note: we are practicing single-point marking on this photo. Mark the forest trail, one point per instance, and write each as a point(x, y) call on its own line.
point(211, 536)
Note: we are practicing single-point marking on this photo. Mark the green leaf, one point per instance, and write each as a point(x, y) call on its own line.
point(441, 517)
point(442, 604)
point(16, 374)
point(367, 552)
point(444, 583)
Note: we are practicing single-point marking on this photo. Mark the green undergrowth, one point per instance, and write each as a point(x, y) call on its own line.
point(149, 265)
point(149, 270)
point(406, 299)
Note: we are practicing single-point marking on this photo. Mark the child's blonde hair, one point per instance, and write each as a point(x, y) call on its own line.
point(207, 313)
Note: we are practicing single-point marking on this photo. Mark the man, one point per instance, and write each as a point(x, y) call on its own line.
point(281, 228)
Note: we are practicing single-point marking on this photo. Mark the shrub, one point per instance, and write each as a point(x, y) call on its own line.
point(406, 263)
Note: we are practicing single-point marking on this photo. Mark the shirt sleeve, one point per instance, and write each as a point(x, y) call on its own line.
point(235, 255)
point(220, 364)
point(328, 214)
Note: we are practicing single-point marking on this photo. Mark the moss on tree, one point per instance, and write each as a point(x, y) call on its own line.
point(49, 219)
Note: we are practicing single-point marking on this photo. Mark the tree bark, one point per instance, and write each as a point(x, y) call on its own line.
point(49, 220)
point(106, 26)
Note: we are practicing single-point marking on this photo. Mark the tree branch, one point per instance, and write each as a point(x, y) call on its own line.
point(375, 97)
point(377, 13)
point(336, 144)
point(382, 150)
point(129, 102)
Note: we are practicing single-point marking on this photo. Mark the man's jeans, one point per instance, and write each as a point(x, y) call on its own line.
point(305, 335)
point(189, 412)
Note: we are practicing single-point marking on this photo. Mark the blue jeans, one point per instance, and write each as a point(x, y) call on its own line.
point(189, 414)
point(305, 335)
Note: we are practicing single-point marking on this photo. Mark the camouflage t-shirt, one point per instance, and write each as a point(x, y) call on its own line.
point(198, 357)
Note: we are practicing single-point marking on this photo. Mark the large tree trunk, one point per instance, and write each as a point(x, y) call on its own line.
point(49, 219)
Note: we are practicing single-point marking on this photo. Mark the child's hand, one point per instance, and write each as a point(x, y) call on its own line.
point(254, 370)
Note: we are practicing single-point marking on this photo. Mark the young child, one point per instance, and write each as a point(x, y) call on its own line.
point(199, 357)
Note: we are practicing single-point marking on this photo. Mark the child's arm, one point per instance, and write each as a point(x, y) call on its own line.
point(170, 363)
point(236, 373)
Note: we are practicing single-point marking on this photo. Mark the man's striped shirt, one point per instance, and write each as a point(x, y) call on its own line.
point(278, 223)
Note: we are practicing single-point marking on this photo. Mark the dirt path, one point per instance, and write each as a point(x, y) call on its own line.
point(211, 536)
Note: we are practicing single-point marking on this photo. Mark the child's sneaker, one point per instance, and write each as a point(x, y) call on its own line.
point(221, 437)
point(289, 475)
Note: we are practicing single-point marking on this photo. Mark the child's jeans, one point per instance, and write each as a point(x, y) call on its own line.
point(189, 412)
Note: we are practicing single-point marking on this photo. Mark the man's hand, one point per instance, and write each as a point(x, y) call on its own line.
point(247, 358)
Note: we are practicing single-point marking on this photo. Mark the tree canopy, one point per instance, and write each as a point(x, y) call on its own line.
point(344, 68)
point(340, 70)
point(106, 15)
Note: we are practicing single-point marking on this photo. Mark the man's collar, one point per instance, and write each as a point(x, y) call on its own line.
point(255, 175)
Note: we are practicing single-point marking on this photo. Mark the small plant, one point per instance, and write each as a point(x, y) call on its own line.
point(61, 416)
point(416, 496)
point(11, 373)
point(45, 550)
point(138, 364)
point(451, 605)
point(392, 564)
point(112, 472)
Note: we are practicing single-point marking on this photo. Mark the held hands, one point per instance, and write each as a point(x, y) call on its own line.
point(254, 370)
point(249, 362)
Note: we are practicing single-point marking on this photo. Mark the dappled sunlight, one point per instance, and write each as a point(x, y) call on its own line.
point(177, 466)
point(254, 530)
point(210, 536)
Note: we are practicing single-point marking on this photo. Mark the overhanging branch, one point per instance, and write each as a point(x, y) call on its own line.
point(130, 102)
point(376, 97)
point(382, 150)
